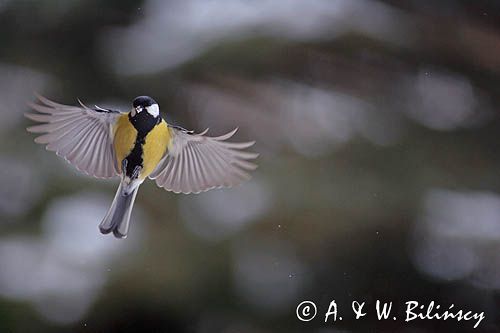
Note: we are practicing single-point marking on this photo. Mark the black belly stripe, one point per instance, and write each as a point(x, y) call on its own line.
point(134, 159)
point(143, 123)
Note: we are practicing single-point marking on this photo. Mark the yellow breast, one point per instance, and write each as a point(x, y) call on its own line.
point(153, 149)
point(125, 135)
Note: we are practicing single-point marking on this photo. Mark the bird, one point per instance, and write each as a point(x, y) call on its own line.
point(136, 145)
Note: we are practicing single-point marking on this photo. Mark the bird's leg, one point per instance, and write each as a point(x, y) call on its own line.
point(124, 166)
point(131, 183)
point(136, 172)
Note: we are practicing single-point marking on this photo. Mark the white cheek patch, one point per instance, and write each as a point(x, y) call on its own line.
point(153, 110)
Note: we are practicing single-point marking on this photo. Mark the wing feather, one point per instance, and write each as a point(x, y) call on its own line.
point(79, 134)
point(195, 162)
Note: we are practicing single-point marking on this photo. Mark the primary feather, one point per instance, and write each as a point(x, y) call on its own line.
point(196, 162)
point(81, 135)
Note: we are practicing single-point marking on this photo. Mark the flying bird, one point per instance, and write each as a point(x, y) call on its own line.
point(135, 145)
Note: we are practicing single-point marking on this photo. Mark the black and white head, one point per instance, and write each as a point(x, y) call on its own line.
point(145, 104)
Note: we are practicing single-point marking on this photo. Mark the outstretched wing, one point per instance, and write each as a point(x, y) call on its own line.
point(195, 163)
point(83, 136)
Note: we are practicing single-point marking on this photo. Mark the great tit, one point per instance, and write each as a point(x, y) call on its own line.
point(135, 145)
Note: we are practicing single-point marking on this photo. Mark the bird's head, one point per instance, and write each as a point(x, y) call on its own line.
point(147, 104)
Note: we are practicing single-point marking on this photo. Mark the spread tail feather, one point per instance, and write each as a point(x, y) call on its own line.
point(117, 220)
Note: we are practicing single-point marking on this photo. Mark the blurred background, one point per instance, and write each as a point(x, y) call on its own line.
point(377, 123)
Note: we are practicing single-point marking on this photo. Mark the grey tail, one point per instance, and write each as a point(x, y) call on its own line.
point(117, 220)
